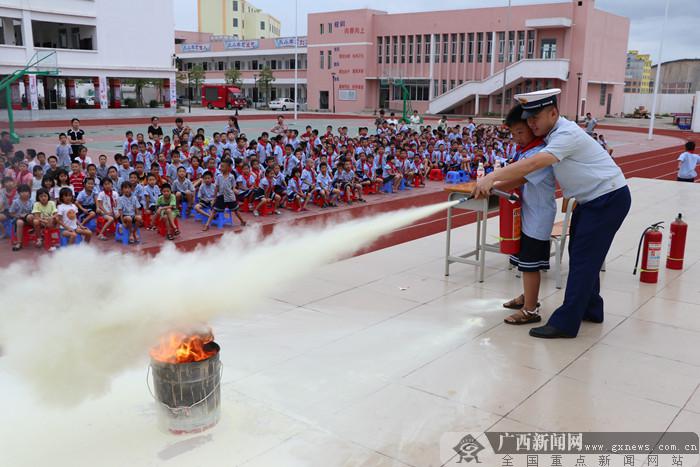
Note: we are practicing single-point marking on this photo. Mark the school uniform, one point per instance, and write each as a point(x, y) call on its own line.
point(128, 205)
point(153, 193)
point(226, 195)
point(308, 180)
point(280, 184)
point(324, 182)
point(586, 172)
point(293, 188)
point(290, 163)
point(206, 194)
point(686, 172)
point(265, 189)
point(246, 184)
point(343, 179)
point(539, 208)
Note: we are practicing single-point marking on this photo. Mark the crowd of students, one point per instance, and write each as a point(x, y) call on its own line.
point(190, 170)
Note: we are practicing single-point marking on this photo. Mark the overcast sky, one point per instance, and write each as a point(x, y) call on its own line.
point(682, 32)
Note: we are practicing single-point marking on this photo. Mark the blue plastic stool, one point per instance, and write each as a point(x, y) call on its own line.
point(64, 240)
point(121, 234)
point(452, 177)
point(222, 219)
point(463, 176)
point(403, 185)
point(388, 187)
point(9, 226)
point(92, 225)
point(183, 209)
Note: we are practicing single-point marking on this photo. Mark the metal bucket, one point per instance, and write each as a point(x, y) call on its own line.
point(188, 395)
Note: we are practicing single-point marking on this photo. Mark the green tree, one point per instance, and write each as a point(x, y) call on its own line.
point(194, 77)
point(233, 76)
point(265, 79)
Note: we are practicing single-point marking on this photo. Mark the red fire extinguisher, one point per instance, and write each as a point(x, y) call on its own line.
point(651, 255)
point(676, 246)
point(509, 220)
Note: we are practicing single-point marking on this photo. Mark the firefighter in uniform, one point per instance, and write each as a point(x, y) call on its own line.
point(587, 173)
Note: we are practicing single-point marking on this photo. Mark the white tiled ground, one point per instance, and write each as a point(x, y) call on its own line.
point(375, 358)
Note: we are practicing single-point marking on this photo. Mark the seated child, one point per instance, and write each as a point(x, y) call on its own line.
point(21, 212)
point(294, 190)
point(129, 207)
point(183, 189)
point(87, 202)
point(207, 191)
point(67, 217)
point(324, 187)
point(245, 184)
point(167, 210)
point(44, 210)
point(107, 206)
point(265, 192)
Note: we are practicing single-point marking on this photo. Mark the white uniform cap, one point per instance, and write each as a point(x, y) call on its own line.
point(533, 102)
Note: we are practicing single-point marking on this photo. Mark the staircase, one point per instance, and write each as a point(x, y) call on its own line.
point(524, 69)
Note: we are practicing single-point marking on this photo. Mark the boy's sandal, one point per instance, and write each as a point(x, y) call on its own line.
point(16, 247)
point(177, 232)
point(524, 316)
point(517, 303)
point(171, 237)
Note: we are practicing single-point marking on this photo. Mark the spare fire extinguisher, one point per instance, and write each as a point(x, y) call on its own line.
point(651, 256)
point(676, 245)
point(509, 220)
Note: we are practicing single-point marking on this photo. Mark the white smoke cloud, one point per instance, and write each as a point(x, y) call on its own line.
point(83, 315)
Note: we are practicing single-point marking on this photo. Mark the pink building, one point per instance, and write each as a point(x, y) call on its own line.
point(452, 61)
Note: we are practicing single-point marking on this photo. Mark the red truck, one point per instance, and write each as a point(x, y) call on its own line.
point(222, 96)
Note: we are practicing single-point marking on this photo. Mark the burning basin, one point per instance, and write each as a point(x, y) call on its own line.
point(187, 381)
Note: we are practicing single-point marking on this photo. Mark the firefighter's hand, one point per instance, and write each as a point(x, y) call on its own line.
point(483, 186)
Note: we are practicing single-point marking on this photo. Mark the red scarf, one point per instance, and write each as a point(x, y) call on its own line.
point(270, 187)
point(11, 196)
point(111, 199)
point(296, 181)
point(535, 142)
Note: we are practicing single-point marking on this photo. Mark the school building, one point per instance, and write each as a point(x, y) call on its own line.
point(90, 50)
point(442, 61)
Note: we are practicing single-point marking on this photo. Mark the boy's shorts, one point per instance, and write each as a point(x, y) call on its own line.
point(220, 205)
point(258, 194)
point(279, 190)
point(533, 255)
point(243, 195)
point(205, 203)
point(388, 179)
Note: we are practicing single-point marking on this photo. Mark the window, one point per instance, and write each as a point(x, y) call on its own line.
point(453, 48)
point(548, 49)
point(419, 50)
point(13, 27)
point(436, 55)
point(321, 56)
point(205, 66)
point(435, 88)
point(395, 48)
point(61, 35)
point(273, 64)
point(292, 64)
point(511, 46)
point(444, 86)
point(427, 38)
point(489, 46)
point(452, 84)
point(321, 27)
point(235, 22)
point(603, 92)
point(403, 49)
point(330, 28)
point(501, 46)
point(444, 48)
point(387, 49)
point(237, 65)
point(254, 66)
point(379, 49)
point(461, 47)
point(221, 66)
point(521, 45)
point(471, 47)
point(235, 5)
point(531, 44)
point(410, 49)
point(480, 47)
point(330, 60)
point(262, 25)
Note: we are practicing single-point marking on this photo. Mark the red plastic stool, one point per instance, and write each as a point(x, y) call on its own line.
point(436, 175)
point(147, 218)
point(369, 189)
point(267, 209)
point(417, 180)
point(318, 200)
point(244, 206)
point(160, 223)
point(52, 238)
point(101, 223)
point(28, 235)
point(349, 196)
point(294, 205)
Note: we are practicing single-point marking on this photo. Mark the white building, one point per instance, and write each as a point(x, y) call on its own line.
point(97, 42)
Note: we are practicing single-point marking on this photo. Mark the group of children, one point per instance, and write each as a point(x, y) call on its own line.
point(191, 171)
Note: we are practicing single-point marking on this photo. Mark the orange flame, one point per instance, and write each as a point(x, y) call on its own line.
point(179, 347)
